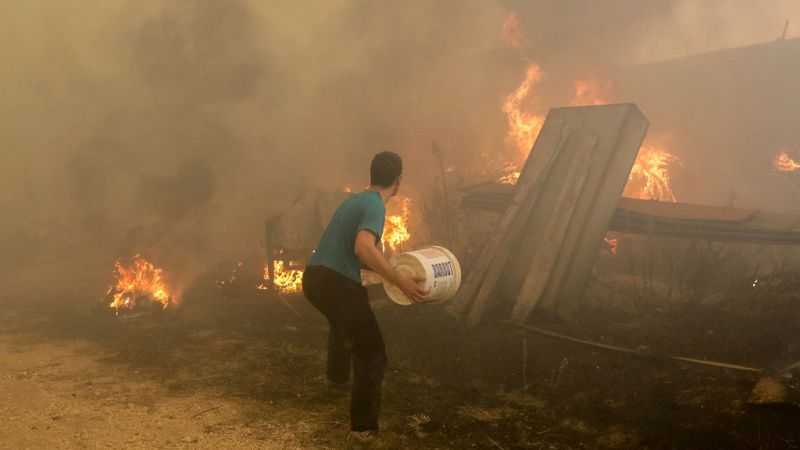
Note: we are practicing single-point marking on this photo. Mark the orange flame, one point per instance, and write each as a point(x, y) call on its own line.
point(649, 178)
point(512, 35)
point(512, 174)
point(139, 280)
point(395, 233)
point(523, 126)
point(785, 163)
point(650, 171)
point(286, 281)
point(589, 92)
point(609, 246)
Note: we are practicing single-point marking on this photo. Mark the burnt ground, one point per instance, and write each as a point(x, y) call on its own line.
point(241, 369)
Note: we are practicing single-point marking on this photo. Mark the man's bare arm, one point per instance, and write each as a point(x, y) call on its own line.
point(370, 255)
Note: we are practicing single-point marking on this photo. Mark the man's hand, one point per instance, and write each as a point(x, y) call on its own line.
point(412, 289)
point(366, 251)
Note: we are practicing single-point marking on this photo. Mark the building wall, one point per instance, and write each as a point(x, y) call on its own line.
point(726, 115)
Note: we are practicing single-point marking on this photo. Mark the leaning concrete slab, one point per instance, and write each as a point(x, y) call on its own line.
point(566, 195)
point(620, 130)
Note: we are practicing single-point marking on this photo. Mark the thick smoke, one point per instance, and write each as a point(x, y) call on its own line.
point(130, 126)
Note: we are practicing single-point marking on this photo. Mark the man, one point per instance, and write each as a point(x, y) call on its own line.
point(332, 283)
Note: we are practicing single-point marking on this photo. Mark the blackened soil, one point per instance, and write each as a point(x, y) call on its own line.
point(447, 387)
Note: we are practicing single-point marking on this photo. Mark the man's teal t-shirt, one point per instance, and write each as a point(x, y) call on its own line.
point(336, 249)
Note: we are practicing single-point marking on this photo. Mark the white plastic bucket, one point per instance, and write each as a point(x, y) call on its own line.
point(437, 265)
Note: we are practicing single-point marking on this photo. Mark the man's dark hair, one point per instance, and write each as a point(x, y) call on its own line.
point(385, 168)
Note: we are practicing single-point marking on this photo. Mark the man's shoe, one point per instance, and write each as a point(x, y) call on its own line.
point(365, 440)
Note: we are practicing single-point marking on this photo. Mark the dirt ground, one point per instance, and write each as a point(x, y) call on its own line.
point(243, 369)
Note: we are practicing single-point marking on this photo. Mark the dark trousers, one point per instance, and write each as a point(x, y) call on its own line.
point(354, 336)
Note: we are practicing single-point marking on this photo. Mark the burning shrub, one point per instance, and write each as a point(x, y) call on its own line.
point(138, 283)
